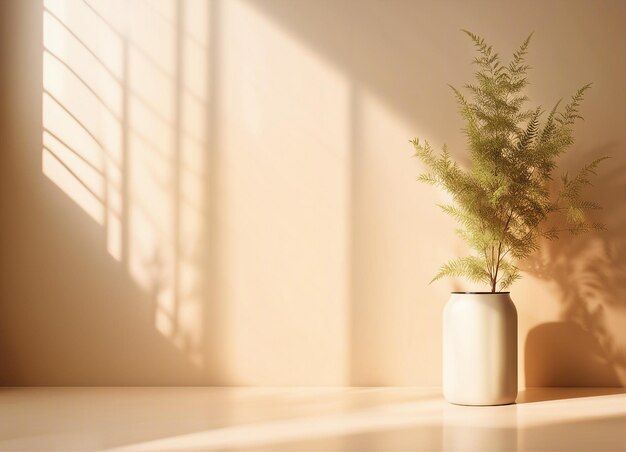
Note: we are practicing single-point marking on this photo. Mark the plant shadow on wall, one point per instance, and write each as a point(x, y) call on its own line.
point(586, 347)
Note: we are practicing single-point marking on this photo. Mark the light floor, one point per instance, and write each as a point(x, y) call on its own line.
point(307, 419)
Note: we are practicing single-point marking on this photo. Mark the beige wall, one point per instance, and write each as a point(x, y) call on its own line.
point(222, 193)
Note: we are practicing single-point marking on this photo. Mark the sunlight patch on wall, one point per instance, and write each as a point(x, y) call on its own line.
point(390, 253)
point(285, 212)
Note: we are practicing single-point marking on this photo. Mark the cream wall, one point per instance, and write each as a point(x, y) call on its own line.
point(223, 192)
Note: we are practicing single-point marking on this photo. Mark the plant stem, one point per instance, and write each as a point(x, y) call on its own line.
point(495, 276)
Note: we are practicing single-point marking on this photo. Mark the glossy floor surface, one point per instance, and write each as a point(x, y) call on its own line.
point(307, 419)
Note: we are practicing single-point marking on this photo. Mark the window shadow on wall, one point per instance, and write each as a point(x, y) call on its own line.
point(106, 264)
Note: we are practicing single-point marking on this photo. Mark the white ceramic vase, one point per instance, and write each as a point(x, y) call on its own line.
point(480, 349)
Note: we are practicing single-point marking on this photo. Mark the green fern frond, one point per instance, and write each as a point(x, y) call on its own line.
point(570, 113)
point(527, 137)
point(503, 198)
point(519, 54)
point(469, 267)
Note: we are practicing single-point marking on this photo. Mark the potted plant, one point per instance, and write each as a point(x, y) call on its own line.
point(502, 202)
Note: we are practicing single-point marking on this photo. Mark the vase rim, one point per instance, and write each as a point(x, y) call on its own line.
point(480, 293)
